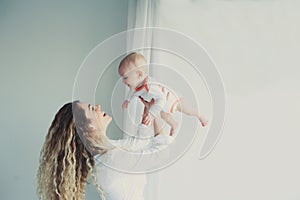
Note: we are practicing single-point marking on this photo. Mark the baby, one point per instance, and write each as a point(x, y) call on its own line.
point(134, 71)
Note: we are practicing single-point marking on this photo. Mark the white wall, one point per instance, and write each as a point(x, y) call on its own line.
point(42, 46)
point(255, 45)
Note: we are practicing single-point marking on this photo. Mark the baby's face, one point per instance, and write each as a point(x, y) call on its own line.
point(131, 77)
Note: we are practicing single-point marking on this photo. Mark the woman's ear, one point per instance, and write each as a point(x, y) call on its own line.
point(140, 73)
point(92, 127)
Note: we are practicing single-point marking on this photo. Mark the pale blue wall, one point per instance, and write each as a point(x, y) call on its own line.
point(42, 45)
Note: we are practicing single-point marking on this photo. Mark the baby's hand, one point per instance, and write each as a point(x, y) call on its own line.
point(125, 104)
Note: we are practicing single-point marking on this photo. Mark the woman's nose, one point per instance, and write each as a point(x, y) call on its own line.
point(98, 107)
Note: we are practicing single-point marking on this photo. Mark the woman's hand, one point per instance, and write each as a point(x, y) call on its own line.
point(147, 117)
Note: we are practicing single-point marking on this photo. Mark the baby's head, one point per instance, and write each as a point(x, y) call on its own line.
point(133, 69)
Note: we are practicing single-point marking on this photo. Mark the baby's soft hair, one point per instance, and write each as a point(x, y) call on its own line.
point(136, 59)
point(65, 162)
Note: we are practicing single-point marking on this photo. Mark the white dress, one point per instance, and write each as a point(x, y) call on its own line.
point(122, 185)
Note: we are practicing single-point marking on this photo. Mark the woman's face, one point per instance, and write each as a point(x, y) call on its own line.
point(98, 119)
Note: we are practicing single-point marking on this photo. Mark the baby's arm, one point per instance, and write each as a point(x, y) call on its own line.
point(129, 97)
point(125, 104)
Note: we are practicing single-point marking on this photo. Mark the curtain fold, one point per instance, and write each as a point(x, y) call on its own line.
point(141, 14)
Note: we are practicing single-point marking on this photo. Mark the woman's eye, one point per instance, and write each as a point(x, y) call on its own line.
point(93, 108)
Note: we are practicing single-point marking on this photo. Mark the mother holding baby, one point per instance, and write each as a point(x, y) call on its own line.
point(77, 146)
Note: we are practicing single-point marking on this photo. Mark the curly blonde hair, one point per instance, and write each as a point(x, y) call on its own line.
point(65, 160)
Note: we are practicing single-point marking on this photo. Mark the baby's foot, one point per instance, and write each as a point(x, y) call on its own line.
point(203, 120)
point(174, 126)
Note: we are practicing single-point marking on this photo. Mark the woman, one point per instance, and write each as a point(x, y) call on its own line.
point(76, 143)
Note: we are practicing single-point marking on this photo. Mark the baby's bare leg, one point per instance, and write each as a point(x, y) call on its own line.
point(158, 126)
point(186, 108)
point(170, 120)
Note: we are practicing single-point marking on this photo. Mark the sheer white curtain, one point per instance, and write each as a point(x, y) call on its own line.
point(141, 14)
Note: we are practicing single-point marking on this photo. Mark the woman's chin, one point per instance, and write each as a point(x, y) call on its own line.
point(109, 119)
